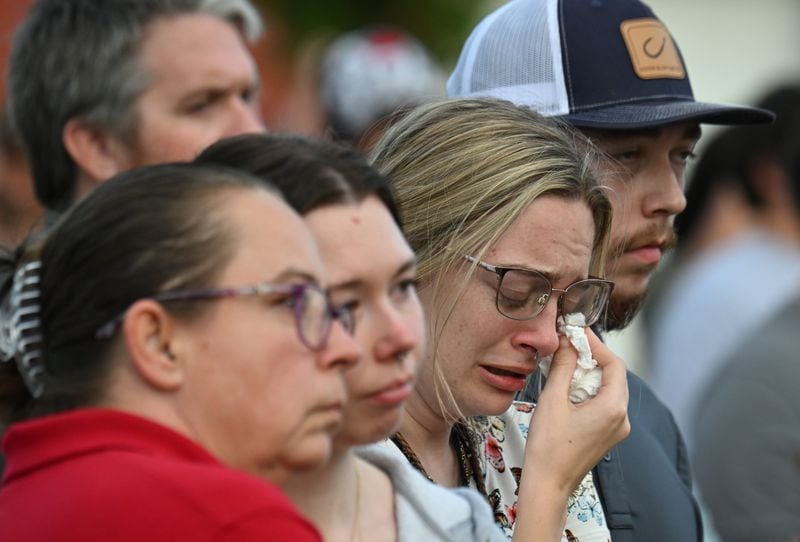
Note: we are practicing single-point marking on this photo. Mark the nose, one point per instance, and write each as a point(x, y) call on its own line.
point(397, 332)
point(538, 335)
point(341, 350)
point(664, 196)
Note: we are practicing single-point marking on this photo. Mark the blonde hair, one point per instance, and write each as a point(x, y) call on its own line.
point(464, 170)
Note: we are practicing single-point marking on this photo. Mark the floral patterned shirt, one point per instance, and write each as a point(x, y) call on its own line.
point(502, 442)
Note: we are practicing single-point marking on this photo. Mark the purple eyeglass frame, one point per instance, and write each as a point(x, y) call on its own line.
point(297, 291)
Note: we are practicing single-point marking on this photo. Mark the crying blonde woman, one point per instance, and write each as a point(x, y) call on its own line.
point(510, 229)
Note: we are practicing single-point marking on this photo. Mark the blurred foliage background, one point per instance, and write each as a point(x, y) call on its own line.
point(442, 25)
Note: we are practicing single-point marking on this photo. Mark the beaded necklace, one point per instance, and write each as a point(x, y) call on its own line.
point(462, 442)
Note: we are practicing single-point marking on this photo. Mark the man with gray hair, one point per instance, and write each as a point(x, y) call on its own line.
point(100, 86)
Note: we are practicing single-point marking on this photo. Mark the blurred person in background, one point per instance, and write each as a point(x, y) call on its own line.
point(746, 437)
point(741, 259)
point(746, 427)
point(97, 87)
point(368, 76)
point(611, 69)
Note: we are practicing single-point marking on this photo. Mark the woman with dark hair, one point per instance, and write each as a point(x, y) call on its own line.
point(363, 493)
point(154, 344)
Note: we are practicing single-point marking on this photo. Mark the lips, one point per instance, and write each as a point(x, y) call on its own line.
point(332, 407)
point(333, 403)
point(649, 245)
point(511, 379)
point(393, 394)
point(647, 254)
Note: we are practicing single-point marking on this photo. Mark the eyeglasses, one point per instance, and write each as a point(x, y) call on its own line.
point(313, 313)
point(522, 294)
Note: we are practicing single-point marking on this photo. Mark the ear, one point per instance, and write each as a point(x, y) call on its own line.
point(98, 154)
point(771, 181)
point(149, 333)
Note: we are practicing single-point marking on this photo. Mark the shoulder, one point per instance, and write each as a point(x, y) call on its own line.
point(650, 418)
point(144, 476)
point(426, 511)
point(746, 458)
point(758, 384)
point(228, 500)
point(265, 524)
point(646, 408)
point(409, 483)
point(202, 496)
point(154, 498)
point(653, 430)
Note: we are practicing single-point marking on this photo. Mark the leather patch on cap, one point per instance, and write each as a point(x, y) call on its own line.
point(653, 53)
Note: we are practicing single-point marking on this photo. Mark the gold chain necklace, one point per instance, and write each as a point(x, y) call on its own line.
point(357, 516)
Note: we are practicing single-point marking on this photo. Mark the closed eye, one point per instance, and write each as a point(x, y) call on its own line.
point(515, 301)
point(203, 102)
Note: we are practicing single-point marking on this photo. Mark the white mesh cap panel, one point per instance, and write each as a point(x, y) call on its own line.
point(515, 54)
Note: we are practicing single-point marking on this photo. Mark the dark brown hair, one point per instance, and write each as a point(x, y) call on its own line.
point(310, 173)
point(145, 231)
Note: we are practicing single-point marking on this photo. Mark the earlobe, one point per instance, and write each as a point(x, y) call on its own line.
point(771, 182)
point(98, 155)
point(149, 333)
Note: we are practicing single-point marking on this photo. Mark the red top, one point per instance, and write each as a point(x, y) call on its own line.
point(103, 475)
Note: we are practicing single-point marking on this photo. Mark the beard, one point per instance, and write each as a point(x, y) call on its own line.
point(622, 307)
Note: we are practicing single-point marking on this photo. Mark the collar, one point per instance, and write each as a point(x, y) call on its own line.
point(33, 444)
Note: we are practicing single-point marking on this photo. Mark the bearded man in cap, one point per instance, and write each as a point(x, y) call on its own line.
point(611, 69)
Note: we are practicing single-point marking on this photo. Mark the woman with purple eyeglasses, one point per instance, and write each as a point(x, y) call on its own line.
point(171, 330)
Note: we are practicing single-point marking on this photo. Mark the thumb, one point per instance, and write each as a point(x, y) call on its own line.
point(601, 353)
point(565, 359)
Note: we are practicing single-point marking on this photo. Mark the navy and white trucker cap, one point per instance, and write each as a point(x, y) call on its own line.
point(608, 64)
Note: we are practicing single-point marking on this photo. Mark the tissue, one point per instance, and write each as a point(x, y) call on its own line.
point(587, 378)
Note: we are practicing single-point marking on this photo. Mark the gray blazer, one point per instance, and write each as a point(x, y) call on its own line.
point(644, 482)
